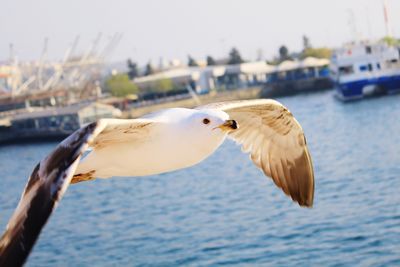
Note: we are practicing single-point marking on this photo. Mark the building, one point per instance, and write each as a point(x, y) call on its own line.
point(10, 77)
point(291, 77)
point(53, 122)
point(208, 78)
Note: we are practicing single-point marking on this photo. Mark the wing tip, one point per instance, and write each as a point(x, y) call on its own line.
point(308, 203)
point(307, 200)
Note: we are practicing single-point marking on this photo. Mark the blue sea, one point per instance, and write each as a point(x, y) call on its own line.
point(224, 212)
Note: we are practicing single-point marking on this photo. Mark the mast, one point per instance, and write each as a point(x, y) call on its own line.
point(387, 19)
point(354, 34)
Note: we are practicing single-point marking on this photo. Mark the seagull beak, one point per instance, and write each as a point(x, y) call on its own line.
point(228, 125)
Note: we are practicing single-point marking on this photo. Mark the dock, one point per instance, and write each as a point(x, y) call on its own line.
point(52, 123)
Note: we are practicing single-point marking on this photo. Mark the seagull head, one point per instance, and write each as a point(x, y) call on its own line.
point(212, 122)
point(201, 132)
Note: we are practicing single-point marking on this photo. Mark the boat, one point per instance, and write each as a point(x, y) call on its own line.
point(365, 69)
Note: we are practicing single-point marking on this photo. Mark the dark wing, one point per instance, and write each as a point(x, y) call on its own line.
point(45, 187)
point(276, 143)
point(50, 179)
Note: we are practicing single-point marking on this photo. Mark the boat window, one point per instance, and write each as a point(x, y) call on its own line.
point(25, 124)
point(345, 70)
point(378, 66)
point(391, 63)
point(363, 68)
point(370, 67)
point(368, 49)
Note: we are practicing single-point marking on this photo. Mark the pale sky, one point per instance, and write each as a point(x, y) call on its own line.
point(175, 28)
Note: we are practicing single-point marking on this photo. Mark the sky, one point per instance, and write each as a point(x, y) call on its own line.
point(174, 29)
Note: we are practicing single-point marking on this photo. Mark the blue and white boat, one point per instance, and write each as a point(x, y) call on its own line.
point(365, 69)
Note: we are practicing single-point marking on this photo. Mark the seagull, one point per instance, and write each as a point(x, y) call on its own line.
point(160, 142)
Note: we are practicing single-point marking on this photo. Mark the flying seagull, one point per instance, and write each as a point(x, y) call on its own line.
point(160, 142)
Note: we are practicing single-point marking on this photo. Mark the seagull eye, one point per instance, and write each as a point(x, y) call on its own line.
point(206, 121)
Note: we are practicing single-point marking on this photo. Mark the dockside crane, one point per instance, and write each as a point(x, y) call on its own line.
point(54, 80)
point(41, 63)
point(85, 60)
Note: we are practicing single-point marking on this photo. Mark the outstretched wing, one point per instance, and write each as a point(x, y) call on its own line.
point(44, 189)
point(276, 143)
point(49, 181)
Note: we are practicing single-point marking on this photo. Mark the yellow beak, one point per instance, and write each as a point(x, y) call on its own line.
point(228, 125)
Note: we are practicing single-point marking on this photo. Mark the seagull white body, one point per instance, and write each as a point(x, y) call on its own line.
point(177, 138)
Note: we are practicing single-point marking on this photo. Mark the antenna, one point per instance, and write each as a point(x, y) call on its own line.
point(387, 19)
point(368, 22)
point(352, 25)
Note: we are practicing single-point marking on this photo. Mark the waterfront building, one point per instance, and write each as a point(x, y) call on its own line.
point(310, 72)
point(209, 78)
point(291, 77)
point(53, 122)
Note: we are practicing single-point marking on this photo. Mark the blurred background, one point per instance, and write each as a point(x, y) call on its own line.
point(334, 64)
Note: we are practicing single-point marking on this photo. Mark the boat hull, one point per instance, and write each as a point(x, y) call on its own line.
point(353, 90)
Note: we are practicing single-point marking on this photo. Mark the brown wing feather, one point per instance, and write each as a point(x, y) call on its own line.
point(44, 189)
point(120, 131)
point(276, 143)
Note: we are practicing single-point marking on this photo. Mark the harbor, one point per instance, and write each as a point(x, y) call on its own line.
point(212, 133)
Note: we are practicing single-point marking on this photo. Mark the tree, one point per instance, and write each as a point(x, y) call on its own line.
point(149, 69)
point(120, 85)
point(306, 43)
point(391, 41)
point(234, 57)
point(192, 62)
point(210, 61)
point(283, 53)
point(132, 69)
point(322, 52)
